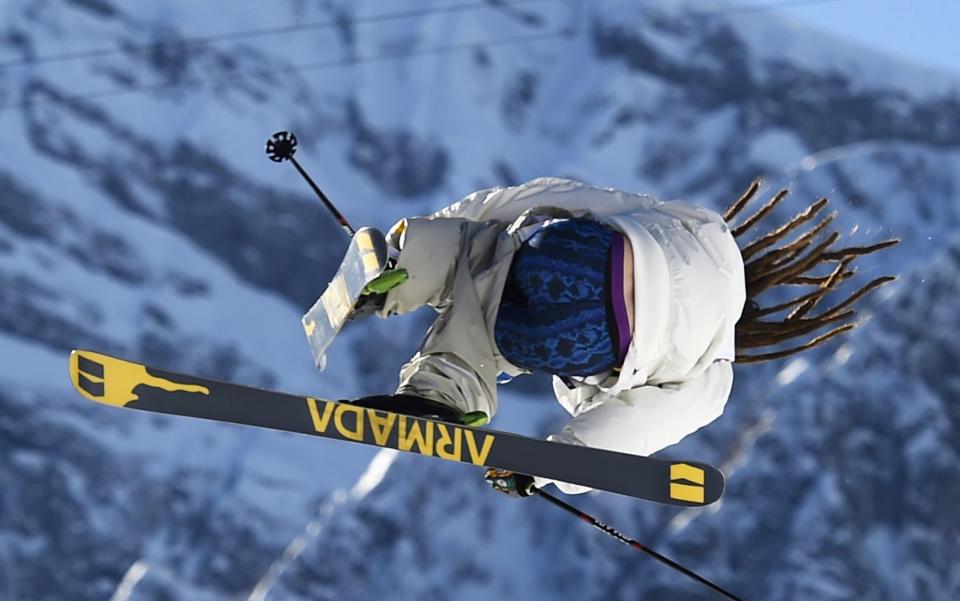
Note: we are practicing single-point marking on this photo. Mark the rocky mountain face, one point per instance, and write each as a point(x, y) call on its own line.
point(139, 217)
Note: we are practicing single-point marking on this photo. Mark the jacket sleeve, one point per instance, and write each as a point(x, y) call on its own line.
point(450, 266)
point(644, 420)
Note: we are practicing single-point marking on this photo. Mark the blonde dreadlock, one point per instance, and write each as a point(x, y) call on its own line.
point(791, 264)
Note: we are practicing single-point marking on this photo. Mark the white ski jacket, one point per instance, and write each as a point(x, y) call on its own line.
point(689, 292)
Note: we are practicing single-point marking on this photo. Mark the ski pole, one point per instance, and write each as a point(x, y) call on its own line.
point(281, 147)
point(633, 543)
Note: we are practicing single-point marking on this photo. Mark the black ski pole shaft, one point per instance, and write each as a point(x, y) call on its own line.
point(281, 147)
point(336, 214)
point(633, 543)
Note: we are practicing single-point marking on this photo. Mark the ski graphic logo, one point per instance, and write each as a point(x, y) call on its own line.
point(401, 432)
point(686, 483)
point(368, 253)
point(336, 300)
point(89, 372)
point(90, 376)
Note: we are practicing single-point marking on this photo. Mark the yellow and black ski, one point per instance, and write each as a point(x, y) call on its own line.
point(121, 383)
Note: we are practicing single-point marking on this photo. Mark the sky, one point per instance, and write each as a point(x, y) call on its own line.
point(924, 31)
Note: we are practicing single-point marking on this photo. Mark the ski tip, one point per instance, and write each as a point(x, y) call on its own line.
point(111, 381)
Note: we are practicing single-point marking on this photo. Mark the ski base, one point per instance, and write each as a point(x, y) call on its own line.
point(122, 383)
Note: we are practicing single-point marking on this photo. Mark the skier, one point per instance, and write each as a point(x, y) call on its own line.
point(636, 307)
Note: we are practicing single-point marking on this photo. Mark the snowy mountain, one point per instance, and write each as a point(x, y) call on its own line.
point(139, 216)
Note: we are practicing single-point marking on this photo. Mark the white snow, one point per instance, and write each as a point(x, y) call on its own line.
point(135, 573)
point(444, 98)
point(793, 370)
point(374, 473)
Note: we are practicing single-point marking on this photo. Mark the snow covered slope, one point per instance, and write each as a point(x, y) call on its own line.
point(138, 216)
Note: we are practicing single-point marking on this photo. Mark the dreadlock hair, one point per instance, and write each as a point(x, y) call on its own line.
point(769, 262)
